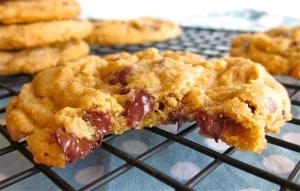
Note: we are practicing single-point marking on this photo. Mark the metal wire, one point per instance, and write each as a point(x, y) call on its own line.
point(210, 44)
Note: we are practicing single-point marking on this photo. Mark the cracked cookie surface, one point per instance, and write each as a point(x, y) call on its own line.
point(66, 111)
point(132, 31)
point(277, 49)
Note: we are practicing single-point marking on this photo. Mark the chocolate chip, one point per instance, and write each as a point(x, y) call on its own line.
point(251, 107)
point(124, 90)
point(75, 148)
point(161, 106)
point(177, 118)
point(100, 120)
point(138, 106)
point(213, 125)
point(120, 76)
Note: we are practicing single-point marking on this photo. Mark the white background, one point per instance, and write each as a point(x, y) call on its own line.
point(174, 9)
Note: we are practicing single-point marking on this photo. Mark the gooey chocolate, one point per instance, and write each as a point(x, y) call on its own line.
point(177, 118)
point(75, 148)
point(120, 76)
point(213, 125)
point(138, 106)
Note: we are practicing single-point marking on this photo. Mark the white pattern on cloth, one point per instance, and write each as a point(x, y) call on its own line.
point(278, 163)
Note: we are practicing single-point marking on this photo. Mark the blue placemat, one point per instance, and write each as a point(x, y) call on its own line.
point(242, 20)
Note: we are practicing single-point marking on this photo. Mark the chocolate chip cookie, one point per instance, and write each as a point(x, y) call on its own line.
point(21, 36)
point(33, 60)
point(132, 31)
point(278, 49)
point(66, 111)
point(28, 11)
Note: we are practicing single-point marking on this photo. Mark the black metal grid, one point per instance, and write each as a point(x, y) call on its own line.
point(210, 44)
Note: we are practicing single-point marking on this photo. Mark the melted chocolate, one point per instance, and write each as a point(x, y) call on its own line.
point(213, 125)
point(120, 77)
point(138, 106)
point(100, 120)
point(177, 118)
point(75, 148)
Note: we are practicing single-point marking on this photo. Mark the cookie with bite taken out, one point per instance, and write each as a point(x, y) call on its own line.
point(66, 111)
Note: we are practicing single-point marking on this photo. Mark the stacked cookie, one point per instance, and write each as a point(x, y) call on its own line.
point(35, 35)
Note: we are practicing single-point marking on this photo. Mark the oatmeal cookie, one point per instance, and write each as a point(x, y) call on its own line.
point(65, 111)
point(133, 31)
point(15, 37)
point(278, 49)
point(28, 11)
point(33, 60)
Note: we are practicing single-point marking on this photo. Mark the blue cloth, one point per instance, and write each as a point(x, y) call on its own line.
point(241, 20)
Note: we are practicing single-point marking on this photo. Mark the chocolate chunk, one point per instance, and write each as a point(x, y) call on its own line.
point(213, 125)
point(100, 120)
point(161, 106)
point(177, 118)
point(138, 106)
point(251, 107)
point(75, 148)
point(124, 90)
point(120, 76)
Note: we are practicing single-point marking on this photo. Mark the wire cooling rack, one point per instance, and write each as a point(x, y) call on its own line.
point(208, 43)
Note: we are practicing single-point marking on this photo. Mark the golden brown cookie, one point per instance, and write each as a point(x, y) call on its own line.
point(133, 31)
point(33, 60)
point(278, 49)
point(15, 37)
point(65, 111)
point(28, 11)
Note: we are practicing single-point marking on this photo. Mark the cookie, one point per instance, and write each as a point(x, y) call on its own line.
point(28, 11)
point(133, 31)
point(29, 61)
point(15, 37)
point(278, 49)
point(65, 111)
